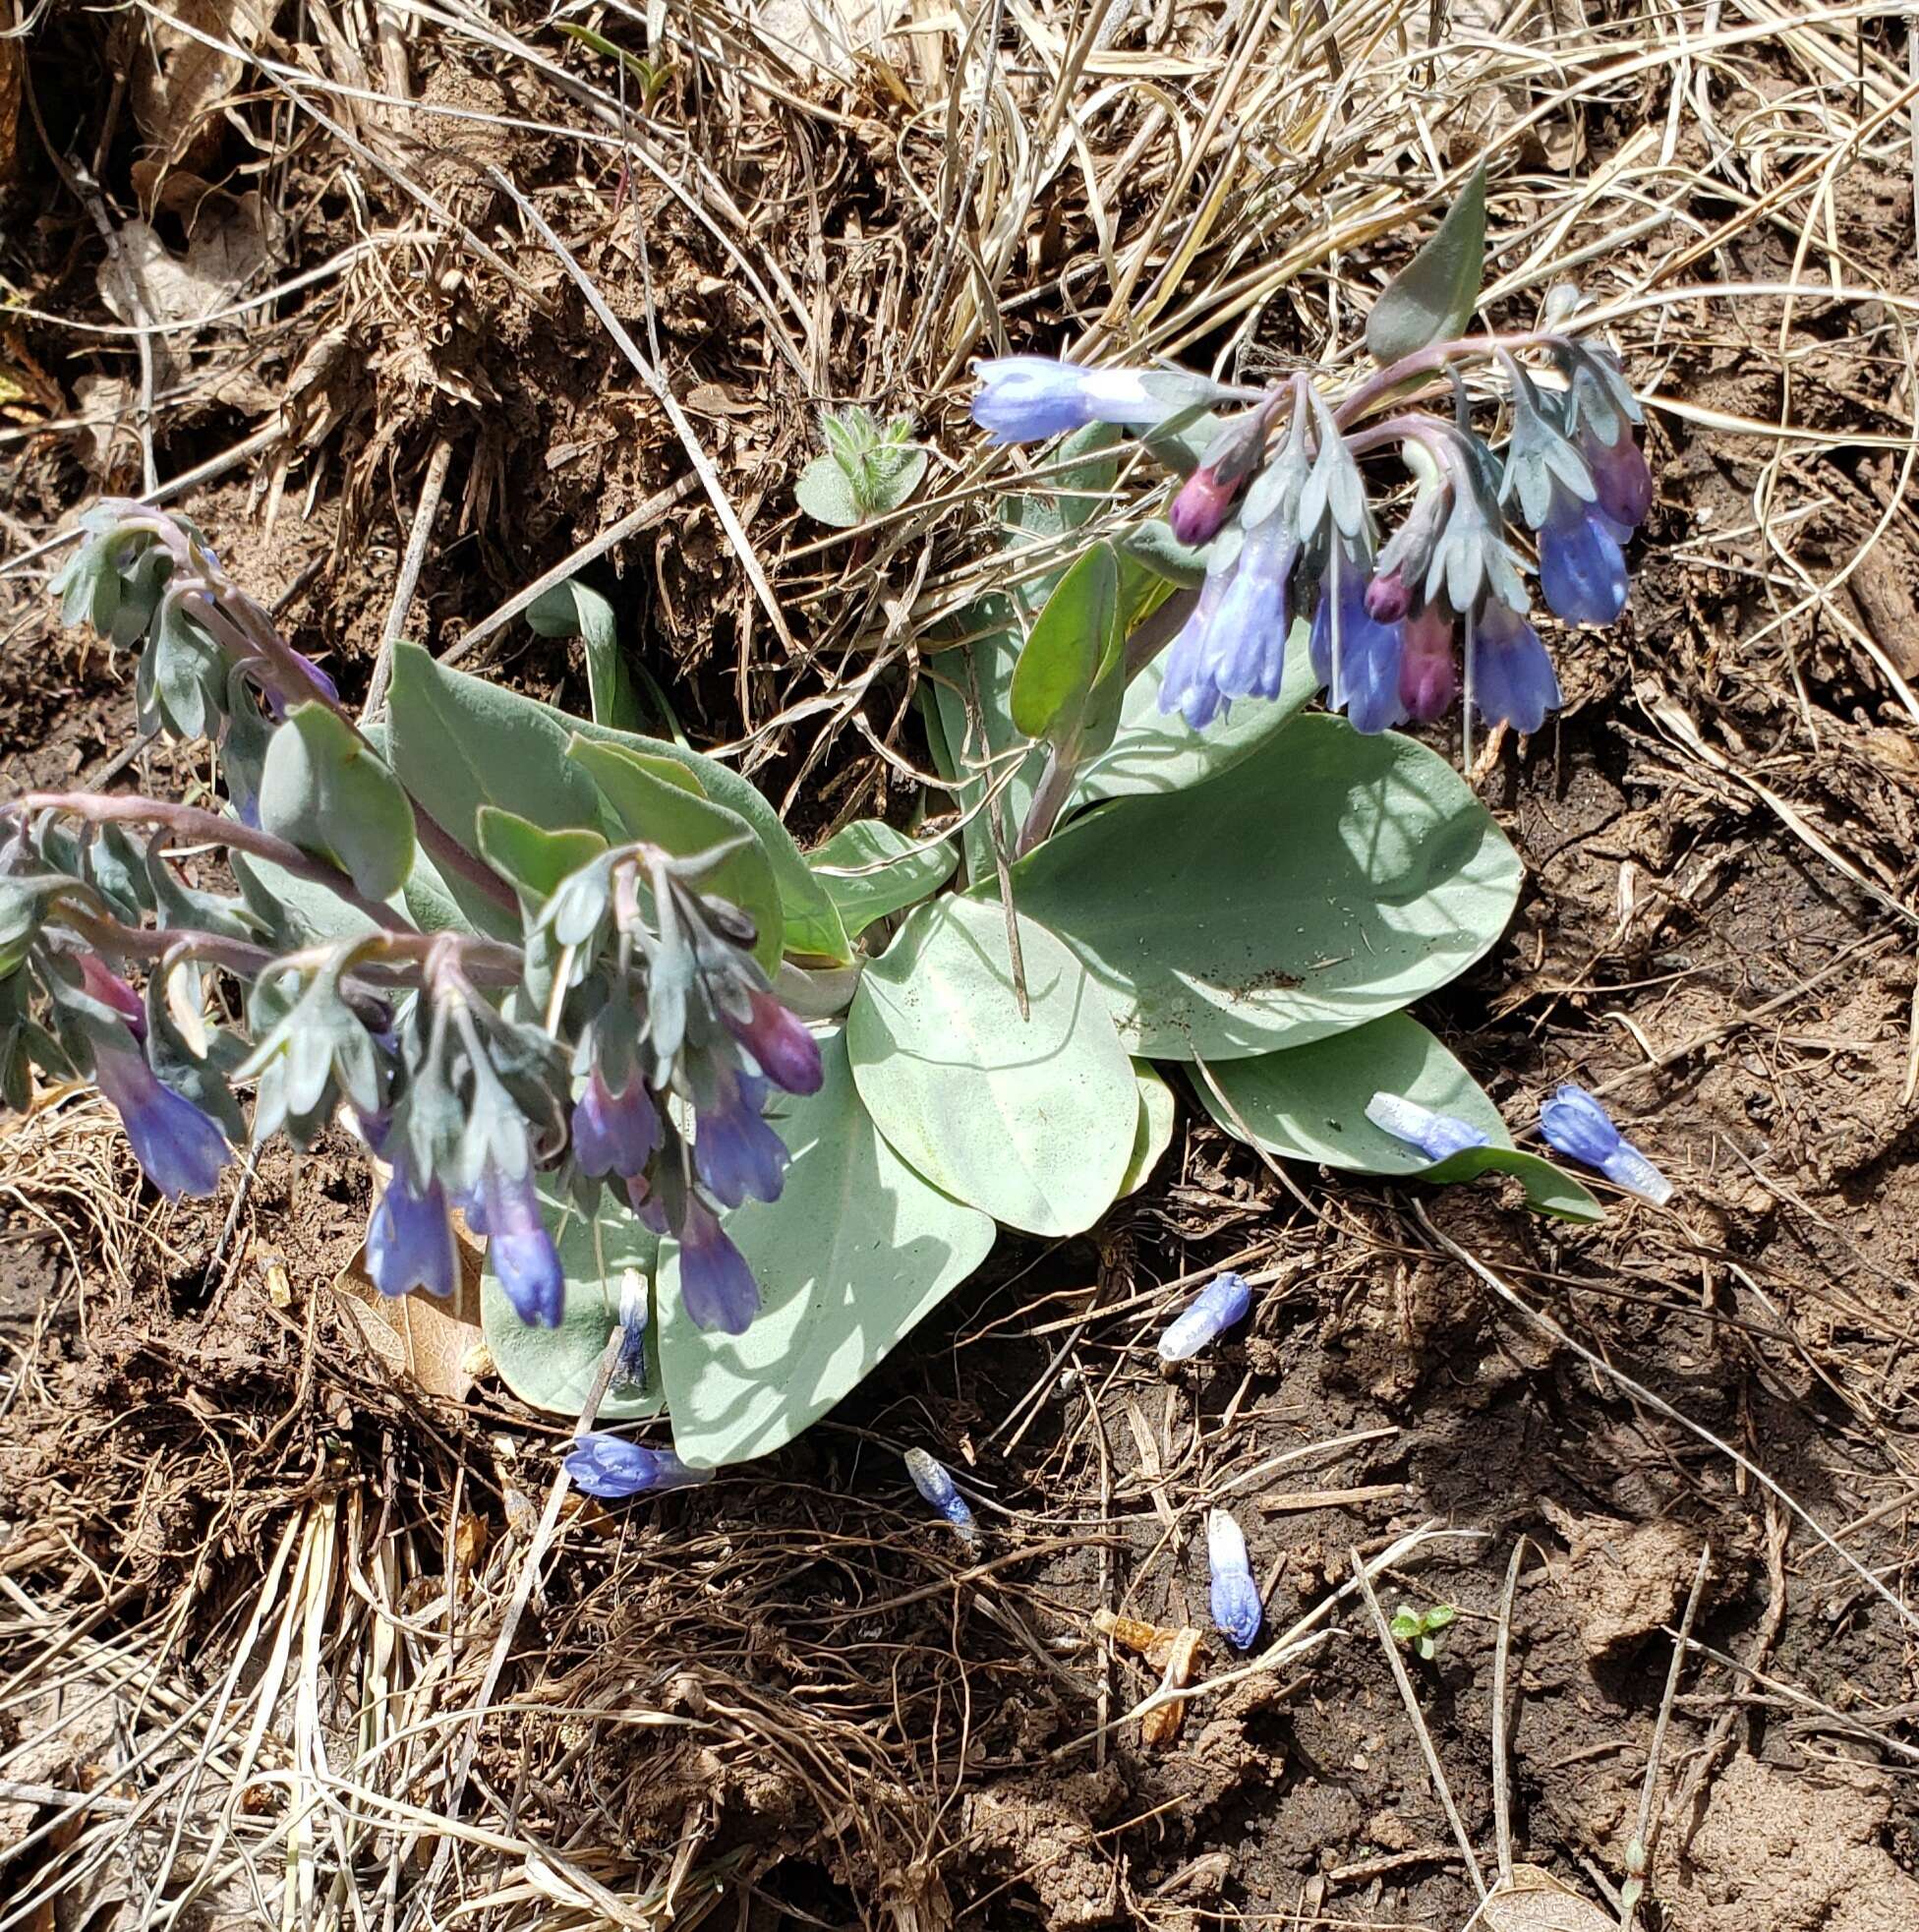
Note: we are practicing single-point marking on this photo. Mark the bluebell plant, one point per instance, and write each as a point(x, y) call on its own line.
point(1277, 509)
point(628, 1039)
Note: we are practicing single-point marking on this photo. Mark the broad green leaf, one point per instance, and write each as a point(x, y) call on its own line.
point(331, 794)
point(553, 1368)
point(461, 742)
point(1158, 1111)
point(1309, 1103)
point(1153, 545)
point(907, 870)
point(534, 859)
point(1325, 879)
point(1030, 1120)
point(1433, 298)
point(1071, 643)
point(1153, 753)
point(825, 492)
point(892, 473)
point(311, 912)
point(577, 609)
point(858, 1249)
point(651, 806)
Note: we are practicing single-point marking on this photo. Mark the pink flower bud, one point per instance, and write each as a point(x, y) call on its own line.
point(1428, 678)
point(1388, 597)
point(1200, 507)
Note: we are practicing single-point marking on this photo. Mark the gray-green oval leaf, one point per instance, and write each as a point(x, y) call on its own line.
point(858, 1249)
point(873, 869)
point(1433, 298)
point(1325, 879)
point(325, 790)
point(1309, 1104)
point(1030, 1120)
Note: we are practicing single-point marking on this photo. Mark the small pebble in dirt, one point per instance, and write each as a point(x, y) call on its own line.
point(1237, 1610)
point(1575, 1123)
point(1216, 1308)
point(934, 1481)
point(1436, 1136)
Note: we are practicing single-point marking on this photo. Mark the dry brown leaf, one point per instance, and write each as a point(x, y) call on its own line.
point(437, 1345)
point(1536, 1901)
point(180, 82)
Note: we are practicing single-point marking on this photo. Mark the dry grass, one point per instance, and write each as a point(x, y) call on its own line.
point(273, 1744)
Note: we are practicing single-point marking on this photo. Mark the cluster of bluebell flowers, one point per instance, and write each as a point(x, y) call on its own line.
point(1277, 510)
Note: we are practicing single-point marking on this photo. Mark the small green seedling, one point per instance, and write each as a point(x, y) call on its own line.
point(1421, 1628)
point(866, 471)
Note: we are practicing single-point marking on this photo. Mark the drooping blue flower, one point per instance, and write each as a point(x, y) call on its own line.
point(780, 1042)
point(715, 1284)
point(1621, 477)
point(1355, 654)
point(409, 1238)
point(1218, 1307)
point(1436, 1136)
point(1027, 399)
point(615, 1132)
point(736, 1150)
point(522, 1252)
point(609, 1467)
point(1234, 644)
point(1512, 677)
point(1576, 1124)
point(934, 1481)
point(180, 1148)
point(1582, 573)
point(1186, 684)
point(1237, 1610)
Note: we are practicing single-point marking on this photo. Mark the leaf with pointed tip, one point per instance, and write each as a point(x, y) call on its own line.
point(1433, 298)
point(325, 790)
point(873, 870)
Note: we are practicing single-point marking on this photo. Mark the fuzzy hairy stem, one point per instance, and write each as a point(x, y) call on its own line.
point(194, 822)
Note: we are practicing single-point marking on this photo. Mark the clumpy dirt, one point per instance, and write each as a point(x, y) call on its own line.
point(791, 1694)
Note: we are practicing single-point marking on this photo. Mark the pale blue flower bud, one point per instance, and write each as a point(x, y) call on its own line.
point(1237, 1608)
point(1575, 1123)
point(1436, 1136)
point(934, 1481)
point(1216, 1308)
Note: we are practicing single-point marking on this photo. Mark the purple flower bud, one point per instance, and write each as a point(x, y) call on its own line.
point(1436, 1136)
point(521, 1250)
point(181, 1148)
point(1575, 1123)
point(1388, 597)
point(111, 990)
point(1237, 1610)
point(787, 1053)
point(1356, 656)
point(1026, 398)
point(716, 1285)
point(410, 1239)
point(1620, 478)
point(611, 1468)
point(324, 685)
point(1513, 681)
point(1218, 1307)
point(1582, 573)
point(1429, 675)
point(737, 1152)
point(647, 1204)
point(934, 1482)
point(1202, 507)
point(614, 1133)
